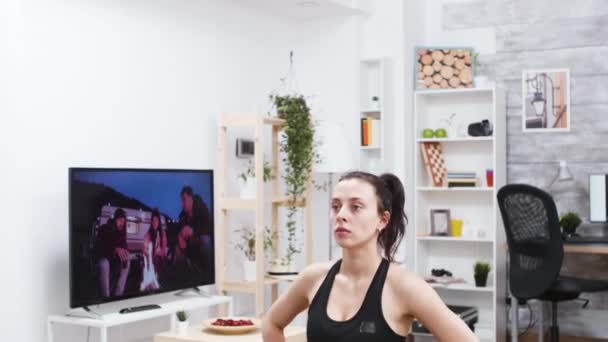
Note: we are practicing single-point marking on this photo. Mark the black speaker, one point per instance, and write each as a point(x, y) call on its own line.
point(480, 129)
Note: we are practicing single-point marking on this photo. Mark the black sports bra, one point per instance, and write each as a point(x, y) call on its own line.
point(367, 325)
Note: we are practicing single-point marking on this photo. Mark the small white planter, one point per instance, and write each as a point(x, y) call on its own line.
point(248, 188)
point(375, 105)
point(249, 270)
point(277, 267)
point(483, 82)
point(182, 327)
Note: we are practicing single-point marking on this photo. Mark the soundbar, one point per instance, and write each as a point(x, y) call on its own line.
point(139, 308)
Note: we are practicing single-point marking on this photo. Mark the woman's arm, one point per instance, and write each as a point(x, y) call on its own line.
point(145, 242)
point(424, 304)
point(290, 304)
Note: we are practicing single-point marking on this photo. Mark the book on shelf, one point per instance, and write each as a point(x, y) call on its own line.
point(461, 184)
point(370, 132)
point(461, 179)
point(461, 175)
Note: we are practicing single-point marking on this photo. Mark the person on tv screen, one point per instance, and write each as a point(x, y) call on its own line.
point(194, 239)
point(113, 254)
point(155, 252)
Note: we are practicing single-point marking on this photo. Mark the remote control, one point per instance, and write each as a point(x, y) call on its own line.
point(139, 308)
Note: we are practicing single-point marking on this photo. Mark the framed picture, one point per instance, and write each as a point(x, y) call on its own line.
point(546, 100)
point(440, 222)
point(443, 67)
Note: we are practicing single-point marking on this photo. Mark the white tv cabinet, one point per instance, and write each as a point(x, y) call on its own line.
point(113, 319)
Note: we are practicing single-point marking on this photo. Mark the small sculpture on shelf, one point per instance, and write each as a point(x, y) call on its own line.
point(450, 125)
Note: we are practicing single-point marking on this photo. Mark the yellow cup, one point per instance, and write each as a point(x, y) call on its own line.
point(456, 227)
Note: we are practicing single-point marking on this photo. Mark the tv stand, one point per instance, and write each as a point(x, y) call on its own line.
point(196, 290)
point(88, 313)
point(105, 321)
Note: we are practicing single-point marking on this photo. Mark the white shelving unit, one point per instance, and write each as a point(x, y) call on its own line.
point(476, 206)
point(374, 81)
point(259, 124)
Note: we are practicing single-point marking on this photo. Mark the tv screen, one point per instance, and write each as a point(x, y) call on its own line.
point(135, 232)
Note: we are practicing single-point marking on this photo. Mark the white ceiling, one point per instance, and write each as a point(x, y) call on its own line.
point(305, 9)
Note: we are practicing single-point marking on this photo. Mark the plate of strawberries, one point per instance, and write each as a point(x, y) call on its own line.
point(232, 325)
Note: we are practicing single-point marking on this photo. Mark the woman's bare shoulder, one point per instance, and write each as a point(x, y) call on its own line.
point(314, 272)
point(405, 282)
point(311, 277)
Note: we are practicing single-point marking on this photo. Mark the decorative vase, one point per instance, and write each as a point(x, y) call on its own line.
point(249, 270)
point(569, 230)
point(375, 105)
point(456, 227)
point(279, 266)
point(481, 280)
point(182, 327)
point(248, 188)
point(483, 82)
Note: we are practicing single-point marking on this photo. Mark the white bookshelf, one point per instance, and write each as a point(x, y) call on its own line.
point(374, 80)
point(482, 232)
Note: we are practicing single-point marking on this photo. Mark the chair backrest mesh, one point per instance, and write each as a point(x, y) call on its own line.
point(533, 235)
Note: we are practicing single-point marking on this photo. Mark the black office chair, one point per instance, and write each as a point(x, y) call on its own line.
point(536, 250)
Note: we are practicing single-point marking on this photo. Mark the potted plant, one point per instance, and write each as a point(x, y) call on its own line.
point(247, 246)
point(481, 81)
point(182, 322)
point(298, 148)
point(481, 273)
point(569, 222)
point(248, 178)
point(375, 102)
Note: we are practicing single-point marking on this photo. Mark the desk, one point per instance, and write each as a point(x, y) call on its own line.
point(587, 248)
point(197, 334)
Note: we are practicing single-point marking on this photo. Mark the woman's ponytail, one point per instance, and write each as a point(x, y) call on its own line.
point(391, 236)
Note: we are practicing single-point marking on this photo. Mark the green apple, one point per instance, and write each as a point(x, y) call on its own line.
point(427, 133)
point(440, 133)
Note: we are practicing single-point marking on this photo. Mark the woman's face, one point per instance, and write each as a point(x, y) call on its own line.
point(155, 222)
point(187, 202)
point(354, 213)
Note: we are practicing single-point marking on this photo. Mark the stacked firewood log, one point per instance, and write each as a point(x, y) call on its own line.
point(444, 68)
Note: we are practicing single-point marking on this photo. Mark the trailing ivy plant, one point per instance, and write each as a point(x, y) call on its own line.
point(299, 153)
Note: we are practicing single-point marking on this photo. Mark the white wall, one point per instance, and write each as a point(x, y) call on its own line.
point(483, 40)
point(95, 83)
point(110, 83)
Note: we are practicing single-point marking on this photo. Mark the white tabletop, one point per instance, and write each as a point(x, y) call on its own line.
point(168, 308)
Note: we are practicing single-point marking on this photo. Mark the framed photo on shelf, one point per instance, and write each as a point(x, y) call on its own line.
point(440, 222)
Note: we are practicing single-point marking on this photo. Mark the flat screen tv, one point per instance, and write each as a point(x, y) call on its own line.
point(135, 232)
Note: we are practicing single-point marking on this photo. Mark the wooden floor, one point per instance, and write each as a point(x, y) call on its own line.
point(533, 338)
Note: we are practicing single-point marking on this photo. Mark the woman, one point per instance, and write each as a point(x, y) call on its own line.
point(364, 296)
point(155, 253)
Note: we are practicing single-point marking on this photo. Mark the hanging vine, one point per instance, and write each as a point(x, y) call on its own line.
point(298, 149)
